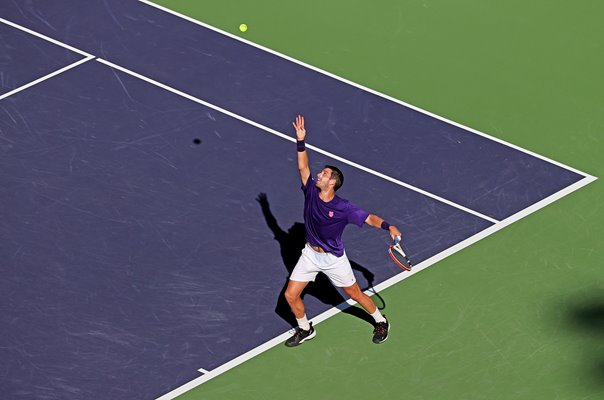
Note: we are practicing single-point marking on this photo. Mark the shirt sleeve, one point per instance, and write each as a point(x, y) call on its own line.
point(310, 183)
point(356, 215)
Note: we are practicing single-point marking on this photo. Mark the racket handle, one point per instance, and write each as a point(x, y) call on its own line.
point(397, 239)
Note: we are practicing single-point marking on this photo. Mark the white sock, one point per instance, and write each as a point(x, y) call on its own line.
point(303, 323)
point(377, 315)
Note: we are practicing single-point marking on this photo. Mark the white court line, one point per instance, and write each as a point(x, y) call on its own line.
point(51, 40)
point(87, 57)
point(291, 139)
point(378, 288)
point(375, 92)
point(57, 72)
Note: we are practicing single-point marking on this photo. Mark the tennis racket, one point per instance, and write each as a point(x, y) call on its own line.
point(398, 255)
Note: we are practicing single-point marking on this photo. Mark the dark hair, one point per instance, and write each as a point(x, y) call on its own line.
point(337, 175)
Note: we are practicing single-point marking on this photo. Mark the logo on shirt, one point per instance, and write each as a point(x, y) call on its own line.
point(330, 214)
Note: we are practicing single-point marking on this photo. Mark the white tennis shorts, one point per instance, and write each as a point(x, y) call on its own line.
point(311, 262)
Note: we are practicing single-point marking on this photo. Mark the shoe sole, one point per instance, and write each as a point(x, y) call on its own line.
point(312, 335)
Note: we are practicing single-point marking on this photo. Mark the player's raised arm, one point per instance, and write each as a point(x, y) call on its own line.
point(302, 154)
point(377, 222)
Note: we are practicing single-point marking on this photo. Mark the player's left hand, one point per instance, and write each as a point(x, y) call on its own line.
point(299, 125)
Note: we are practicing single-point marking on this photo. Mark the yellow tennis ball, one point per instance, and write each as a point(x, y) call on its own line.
point(243, 27)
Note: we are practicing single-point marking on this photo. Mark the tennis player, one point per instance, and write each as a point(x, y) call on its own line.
point(325, 217)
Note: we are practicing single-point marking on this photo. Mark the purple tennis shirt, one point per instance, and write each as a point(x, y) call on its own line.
point(325, 222)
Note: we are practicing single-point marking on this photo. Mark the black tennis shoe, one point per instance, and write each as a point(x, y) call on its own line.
point(301, 336)
point(380, 333)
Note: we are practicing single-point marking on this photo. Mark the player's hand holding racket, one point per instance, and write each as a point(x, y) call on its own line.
point(398, 255)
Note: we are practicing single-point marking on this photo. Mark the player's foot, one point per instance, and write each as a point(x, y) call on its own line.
point(301, 336)
point(380, 333)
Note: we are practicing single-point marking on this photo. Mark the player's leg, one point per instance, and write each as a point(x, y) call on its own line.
point(293, 296)
point(304, 272)
point(382, 326)
point(355, 293)
point(305, 330)
point(341, 275)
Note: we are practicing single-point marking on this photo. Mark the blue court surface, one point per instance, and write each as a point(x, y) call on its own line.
point(133, 257)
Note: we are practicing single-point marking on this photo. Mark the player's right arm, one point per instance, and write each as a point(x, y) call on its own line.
point(302, 154)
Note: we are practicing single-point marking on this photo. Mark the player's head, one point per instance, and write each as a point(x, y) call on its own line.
point(330, 176)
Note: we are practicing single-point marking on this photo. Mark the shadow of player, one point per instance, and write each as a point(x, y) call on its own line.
point(291, 243)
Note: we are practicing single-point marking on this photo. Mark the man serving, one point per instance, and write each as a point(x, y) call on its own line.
point(325, 217)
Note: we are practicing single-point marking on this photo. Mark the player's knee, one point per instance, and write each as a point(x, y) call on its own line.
point(291, 296)
point(354, 293)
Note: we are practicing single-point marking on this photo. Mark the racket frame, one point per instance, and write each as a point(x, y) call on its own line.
point(397, 247)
